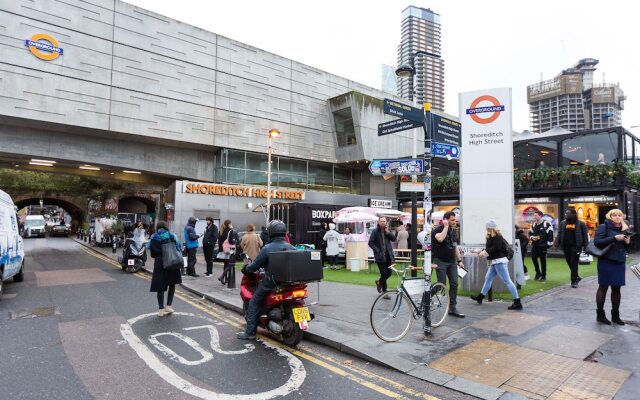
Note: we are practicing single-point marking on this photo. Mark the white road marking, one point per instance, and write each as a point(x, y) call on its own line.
point(215, 341)
point(206, 356)
point(298, 372)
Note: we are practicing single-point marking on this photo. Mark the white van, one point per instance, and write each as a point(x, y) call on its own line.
point(34, 225)
point(11, 249)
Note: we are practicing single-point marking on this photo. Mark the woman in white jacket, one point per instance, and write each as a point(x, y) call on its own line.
point(332, 238)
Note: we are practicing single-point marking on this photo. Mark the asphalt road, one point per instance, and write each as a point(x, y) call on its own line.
point(79, 328)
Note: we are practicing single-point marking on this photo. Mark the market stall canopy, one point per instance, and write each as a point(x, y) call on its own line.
point(355, 216)
point(374, 212)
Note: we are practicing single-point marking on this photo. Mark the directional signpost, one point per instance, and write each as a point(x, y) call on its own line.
point(397, 167)
point(403, 111)
point(443, 150)
point(445, 130)
point(397, 125)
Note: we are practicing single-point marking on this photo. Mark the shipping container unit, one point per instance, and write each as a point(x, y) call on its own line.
point(305, 221)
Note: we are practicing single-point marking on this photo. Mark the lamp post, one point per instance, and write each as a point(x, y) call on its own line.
point(273, 133)
point(409, 71)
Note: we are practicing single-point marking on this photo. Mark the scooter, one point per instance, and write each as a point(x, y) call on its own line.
point(283, 310)
point(134, 255)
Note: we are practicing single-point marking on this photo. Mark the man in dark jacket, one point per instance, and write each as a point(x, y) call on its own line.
point(209, 240)
point(191, 241)
point(380, 242)
point(276, 230)
point(445, 254)
point(572, 239)
point(541, 235)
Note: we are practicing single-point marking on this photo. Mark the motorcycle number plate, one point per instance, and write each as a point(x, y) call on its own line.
point(301, 314)
point(131, 262)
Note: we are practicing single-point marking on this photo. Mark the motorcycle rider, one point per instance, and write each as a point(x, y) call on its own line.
point(276, 230)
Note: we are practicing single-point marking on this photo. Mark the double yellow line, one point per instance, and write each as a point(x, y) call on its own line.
point(351, 372)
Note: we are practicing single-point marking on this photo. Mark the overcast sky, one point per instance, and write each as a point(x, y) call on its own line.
point(485, 44)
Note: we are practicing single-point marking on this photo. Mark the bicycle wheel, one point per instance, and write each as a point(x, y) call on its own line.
point(391, 318)
point(439, 304)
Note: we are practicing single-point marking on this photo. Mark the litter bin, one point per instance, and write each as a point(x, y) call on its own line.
point(354, 264)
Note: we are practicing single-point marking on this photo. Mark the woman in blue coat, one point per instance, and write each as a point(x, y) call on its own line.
point(163, 279)
point(611, 265)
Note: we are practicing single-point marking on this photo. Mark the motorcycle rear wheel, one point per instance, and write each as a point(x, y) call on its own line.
point(292, 335)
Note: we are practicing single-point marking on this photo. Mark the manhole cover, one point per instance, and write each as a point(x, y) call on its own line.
point(35, 312)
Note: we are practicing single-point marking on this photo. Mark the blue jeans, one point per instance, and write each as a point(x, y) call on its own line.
point(502, 271)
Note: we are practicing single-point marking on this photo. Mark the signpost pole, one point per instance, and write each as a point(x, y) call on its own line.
point(414, 195)
point(427, 206)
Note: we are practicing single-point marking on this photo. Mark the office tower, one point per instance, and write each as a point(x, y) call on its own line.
point(421, 33)
point(572, 101)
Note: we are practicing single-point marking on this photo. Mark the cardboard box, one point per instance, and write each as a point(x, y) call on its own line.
point(296, 266)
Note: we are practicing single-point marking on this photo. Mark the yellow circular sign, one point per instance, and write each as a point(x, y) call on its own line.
point(44, 51)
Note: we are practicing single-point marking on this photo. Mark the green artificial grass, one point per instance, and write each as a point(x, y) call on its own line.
point(557, 274)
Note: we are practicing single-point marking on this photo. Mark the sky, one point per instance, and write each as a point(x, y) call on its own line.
point(485, 44)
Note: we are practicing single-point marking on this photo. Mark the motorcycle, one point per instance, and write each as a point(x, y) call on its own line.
point(134, 254)
point(283, 311)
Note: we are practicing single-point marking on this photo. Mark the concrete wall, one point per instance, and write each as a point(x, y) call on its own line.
point(129, 71)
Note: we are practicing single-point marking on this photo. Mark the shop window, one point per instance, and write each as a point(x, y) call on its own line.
point(590, 149)
point(538, 154)
point(235, 176)
point(342, 173)
point(628, 149)
point(292, 181)
point(320, 176)
point(356, 182)
point(258, 162)
point(636, 145)
point(345, 131)
point(342, 186)
point(292, 167)
point(257, 178)
point(235, 159)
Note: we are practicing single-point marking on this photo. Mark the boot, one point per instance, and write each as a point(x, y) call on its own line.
point(602, 318)
point(168, 310)
point(517, 305)
point(490, 295)
point(615, 317)
point(478, 298)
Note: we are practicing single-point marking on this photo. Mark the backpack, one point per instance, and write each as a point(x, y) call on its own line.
point(509, 249)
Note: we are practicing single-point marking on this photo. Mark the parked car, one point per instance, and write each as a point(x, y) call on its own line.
point(11, 249)
point(59, 230)
point(34, 226)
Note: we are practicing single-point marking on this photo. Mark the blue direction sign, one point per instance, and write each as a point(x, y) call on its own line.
point(444, 150)
point(400, 110)
point(396, 125)
point(397, 167)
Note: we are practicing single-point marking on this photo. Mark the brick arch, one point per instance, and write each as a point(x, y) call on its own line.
point(78, 213)
point(136, 204)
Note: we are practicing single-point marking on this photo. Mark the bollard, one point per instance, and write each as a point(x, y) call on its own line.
point(231, 283)
point(85, 238)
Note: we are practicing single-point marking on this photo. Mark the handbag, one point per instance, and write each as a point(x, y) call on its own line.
point(171, 256)
point(597, 251)
point(226, 246)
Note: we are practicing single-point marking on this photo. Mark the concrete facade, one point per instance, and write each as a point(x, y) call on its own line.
point(129, 78)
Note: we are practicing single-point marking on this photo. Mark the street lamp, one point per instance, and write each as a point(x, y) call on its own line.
point(273, 133)
point(409, 71)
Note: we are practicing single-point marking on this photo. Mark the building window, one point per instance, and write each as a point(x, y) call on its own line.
point(235, 159)
point(538, 154)
point(320, 176)
point(345, 131)
point(235, 176)
point(590, 149)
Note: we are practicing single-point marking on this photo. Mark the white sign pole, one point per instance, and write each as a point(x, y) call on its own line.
point(486, 169)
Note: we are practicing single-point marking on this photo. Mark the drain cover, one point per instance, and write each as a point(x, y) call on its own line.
point(35, 312)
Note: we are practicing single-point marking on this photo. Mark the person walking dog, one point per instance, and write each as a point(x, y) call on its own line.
point(163, 279)
point(611, 265)
point(496, 252)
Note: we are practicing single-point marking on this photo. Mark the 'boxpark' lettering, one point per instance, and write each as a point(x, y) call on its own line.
point(241, 191)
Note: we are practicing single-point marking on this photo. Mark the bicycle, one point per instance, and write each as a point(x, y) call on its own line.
point(393, 312)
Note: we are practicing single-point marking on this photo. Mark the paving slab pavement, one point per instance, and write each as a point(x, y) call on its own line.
point(557, 326)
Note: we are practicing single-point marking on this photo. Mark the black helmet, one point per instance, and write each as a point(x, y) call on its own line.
point(276, 228)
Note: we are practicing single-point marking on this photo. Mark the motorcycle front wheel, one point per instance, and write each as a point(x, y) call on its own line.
point(132, 269)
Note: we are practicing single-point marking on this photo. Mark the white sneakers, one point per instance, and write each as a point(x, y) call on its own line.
point(161, 312)
point(168, 310)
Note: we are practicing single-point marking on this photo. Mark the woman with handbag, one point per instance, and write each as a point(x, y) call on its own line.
point(497, 254)
point(611, 264)
point(227, 250)
point(164, 277)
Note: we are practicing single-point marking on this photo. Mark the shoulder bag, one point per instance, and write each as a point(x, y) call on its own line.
point(227, 248)
point(171, 257)
point(597, 251)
